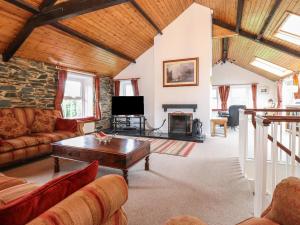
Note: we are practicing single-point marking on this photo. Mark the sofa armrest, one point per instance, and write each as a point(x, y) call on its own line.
point(94, 204)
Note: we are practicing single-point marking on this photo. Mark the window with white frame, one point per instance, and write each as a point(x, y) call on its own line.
point(126, 88)
point(215, 98)
point(240, 95)
point(79, 96)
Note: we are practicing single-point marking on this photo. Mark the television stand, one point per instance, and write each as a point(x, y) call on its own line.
point(123, 123)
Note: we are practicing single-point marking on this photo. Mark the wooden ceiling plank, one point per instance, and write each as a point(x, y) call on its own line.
point(22, 4)
point(269, 18)
point(30, 26)
point(145, 15)
point(262, 41)
point(73, 8)
point(77, 34)
point(239, 15)
point(26, 30)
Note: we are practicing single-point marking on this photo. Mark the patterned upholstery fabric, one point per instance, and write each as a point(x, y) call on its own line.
point(19, 142)
point(43, 123)
point(26, 115)
point(7, 158)
point(285, 206)
point(12, 193)
point(54, 136)
point(98, 203)
point(7, 182)
point(11, 128)
point(34, 144)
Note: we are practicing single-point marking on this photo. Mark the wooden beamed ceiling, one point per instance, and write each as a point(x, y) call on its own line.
point(105, 36)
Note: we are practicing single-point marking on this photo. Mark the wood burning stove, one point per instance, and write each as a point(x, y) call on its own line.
point(180, 123)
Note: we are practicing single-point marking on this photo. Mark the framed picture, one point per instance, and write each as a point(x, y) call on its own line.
point(180, 72)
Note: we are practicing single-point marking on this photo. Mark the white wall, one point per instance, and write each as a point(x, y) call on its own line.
point(143, 69)
point(229, 73)
point(188, 36)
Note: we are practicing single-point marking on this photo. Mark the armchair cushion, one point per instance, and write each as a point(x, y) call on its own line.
point(24, 209)
point(7, 182)
point(66, 125)
point(94, 204)
point(285, 206)
point(184, 220)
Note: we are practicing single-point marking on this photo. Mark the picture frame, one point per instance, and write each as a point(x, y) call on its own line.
point(181, 72)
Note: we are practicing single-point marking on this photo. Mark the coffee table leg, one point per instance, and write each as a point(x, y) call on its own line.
point(147, 163)
point(125, 175)
point(56, 165)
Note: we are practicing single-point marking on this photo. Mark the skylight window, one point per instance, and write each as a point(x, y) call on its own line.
point(290, 29)
point(270, 67)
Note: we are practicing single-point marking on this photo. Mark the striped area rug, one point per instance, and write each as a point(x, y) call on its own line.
point(170, 147)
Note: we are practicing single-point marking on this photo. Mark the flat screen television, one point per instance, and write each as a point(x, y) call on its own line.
point(127, 105)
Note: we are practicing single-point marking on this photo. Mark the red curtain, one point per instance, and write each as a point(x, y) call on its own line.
point(224, 93)
point(117, 87)
point(135, 87)
point(97, 98)
point(62, 77)
point(254, 95)
point(279, 94)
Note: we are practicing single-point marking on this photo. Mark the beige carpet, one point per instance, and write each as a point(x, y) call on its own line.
point(207, 184)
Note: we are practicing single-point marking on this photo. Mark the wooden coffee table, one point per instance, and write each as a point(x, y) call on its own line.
point(119, 153)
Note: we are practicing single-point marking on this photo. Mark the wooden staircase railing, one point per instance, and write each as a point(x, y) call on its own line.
point(261, 125)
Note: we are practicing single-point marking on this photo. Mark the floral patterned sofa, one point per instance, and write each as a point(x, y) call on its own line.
point(27, 133)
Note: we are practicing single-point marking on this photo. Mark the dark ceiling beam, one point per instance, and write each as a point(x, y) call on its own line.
point(23, 5)
point(145, 15)
point(225, 49)
point(46, 3)
point(253, 37)
point(73, 8)
point(269, 18)
point(14, 46)
point(239, 15)
point(91, 41)
point(26, 30)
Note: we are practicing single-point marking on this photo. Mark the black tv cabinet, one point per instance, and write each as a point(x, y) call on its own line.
point(123, 123)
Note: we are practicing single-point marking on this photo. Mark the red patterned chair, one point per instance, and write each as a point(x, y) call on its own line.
point(284, 209)
point(18, 148)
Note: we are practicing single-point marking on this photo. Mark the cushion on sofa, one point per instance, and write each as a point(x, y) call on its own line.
point(11, 128)
point(66, 125)
point(9, 194)
point(286, 197)
point(24, 209)
point(7, 182)
point(18, 143)
point(43, 123)
point(46, 138)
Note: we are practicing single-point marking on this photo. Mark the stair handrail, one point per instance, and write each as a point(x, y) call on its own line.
point(268, 119)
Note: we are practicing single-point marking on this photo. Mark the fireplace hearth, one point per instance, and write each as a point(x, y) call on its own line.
point(180, 123)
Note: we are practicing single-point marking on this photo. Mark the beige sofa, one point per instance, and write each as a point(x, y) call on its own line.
point(34, 144)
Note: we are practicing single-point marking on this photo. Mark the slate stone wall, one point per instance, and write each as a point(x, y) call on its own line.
point(106, 93)
point(26, 83)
